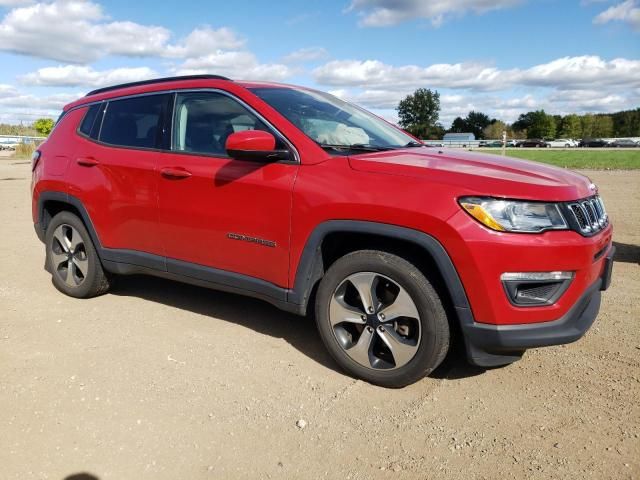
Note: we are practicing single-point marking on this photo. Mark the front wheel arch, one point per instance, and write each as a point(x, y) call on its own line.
point(314, 261)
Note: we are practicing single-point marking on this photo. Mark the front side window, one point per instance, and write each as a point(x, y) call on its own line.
point(331, 122)
point(133, 122)
point(204, 120)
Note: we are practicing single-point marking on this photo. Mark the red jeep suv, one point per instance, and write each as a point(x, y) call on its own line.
point(292, 196)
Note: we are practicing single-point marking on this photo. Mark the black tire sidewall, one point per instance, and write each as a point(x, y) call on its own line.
point(434, 339)
point(94, 269)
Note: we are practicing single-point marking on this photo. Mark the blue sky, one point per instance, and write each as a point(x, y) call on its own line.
point(503, 57)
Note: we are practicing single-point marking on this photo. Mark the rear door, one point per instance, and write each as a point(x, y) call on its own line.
point(219, 212)
point(116, 170)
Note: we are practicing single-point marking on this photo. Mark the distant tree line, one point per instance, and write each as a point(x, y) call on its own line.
point(419, 113)
point(41, 127)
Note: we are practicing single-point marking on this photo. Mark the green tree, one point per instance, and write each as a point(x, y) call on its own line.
point(495, 129)
point(419, 112)
point(587, 122)
point(571, 127)
point(542, 125)
point(458, 125)
point(524, 122)
point(474, 122)
point(43, 126)
point(626, 123)
point(477, 122)
point(602, 126)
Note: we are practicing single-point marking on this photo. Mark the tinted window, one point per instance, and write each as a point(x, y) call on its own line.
point(133, 122)
point(204, 121)
point(89, 119)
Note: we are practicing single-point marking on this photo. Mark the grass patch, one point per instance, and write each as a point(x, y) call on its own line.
point(22, 151)
point(582, 159)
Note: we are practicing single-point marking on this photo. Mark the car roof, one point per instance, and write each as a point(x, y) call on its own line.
point(168, 83)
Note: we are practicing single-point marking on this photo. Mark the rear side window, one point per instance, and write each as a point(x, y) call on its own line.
point(134, 122)
point(90, 119)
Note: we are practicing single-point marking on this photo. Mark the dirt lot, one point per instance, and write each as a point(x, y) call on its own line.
point(164, 381)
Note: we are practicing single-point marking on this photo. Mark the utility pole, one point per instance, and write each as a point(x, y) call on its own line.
point(504, 143)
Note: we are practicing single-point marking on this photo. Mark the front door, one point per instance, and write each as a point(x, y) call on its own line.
point(218, 212)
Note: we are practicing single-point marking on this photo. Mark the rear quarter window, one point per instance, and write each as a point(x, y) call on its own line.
point(90, 122)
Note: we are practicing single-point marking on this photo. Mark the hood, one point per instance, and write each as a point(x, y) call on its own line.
point(479, 173)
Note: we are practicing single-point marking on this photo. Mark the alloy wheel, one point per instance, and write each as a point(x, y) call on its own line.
point(375, 321)
point(69, 255)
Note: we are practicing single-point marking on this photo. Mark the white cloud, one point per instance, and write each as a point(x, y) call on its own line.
point(77, 31)
point(7, 91)
point(205, 39)
point(375, 74)
point(77, 75)
point(562, 73)
point(306, 55)
point(234, 64)
point(14, 3)
point(580, 72)
point(383, 13)
point(627, 12)
point(16, 106)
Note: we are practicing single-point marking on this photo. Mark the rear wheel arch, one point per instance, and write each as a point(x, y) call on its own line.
point(50, 203)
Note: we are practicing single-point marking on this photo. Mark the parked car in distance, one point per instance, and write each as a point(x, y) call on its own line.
point(532, 142)
point(512, 143)
point(490, 143)
point(593, 143)
point(624, 143)
point(297, 198)
point(562, 143)
point(8, 145)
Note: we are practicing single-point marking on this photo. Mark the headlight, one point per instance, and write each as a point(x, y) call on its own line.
point(514, 215)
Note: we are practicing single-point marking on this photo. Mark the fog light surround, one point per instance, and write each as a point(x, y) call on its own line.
point(535, 289)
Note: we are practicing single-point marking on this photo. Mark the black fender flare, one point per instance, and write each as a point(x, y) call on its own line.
point(63, 197)
point(310, 268)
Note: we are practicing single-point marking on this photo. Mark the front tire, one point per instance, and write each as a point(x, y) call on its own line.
point(72, 258)
point(381, 319)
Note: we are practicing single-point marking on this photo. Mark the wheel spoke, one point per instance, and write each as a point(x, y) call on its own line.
point(365, 283)
point(81, 265)
point(340, 312)
point(402, 306)
point(61, 238)
point(402, 351)
point(58, 259)
point(360, 351)
point(76, 240)
point(70, 278)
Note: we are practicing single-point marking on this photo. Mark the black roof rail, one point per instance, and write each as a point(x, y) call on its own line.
point(156, 80)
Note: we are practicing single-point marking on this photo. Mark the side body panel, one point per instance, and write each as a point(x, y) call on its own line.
point(228, 214)
point(119, 193)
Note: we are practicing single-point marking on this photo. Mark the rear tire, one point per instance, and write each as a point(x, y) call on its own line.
point(397, 335)
point(72, 258)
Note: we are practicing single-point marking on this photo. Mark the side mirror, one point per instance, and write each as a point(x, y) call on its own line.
point(254, 145)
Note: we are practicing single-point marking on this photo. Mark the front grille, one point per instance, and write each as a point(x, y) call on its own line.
point(589, 215)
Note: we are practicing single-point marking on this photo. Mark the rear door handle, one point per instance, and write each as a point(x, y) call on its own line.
point(87, 161)
point(175, 173)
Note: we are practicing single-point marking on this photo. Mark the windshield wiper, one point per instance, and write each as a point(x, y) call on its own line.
point(356, 146)
point(413, 144)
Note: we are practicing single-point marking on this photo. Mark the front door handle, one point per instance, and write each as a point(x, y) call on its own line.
point(87, 162)
point(175, 173)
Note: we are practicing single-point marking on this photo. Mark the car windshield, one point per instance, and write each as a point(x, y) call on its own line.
point(333, 123)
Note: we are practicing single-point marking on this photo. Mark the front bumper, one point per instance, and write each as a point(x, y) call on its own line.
point(493, 345)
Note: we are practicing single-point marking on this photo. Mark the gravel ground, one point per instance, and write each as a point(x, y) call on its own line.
point(165, 381)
